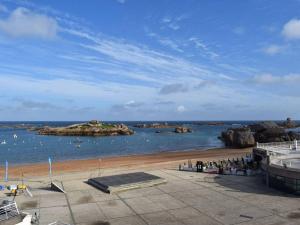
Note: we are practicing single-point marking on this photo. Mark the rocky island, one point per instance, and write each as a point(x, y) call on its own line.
point(210, 123)
point(155, 125)
point(262, 132)
point(177, 128)
point(91, 128)
point(183, 130)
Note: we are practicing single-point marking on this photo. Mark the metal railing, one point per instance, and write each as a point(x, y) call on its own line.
point(287, 145)
point(8, 211)
point(282, 148)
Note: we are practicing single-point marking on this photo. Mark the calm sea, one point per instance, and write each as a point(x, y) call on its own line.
point(20, 146)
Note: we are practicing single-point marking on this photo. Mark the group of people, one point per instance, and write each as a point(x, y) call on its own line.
point(235, 166)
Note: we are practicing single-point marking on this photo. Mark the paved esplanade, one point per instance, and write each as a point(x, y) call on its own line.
point(188, 198)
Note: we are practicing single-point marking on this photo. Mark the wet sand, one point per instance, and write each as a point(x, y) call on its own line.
point(150, 160)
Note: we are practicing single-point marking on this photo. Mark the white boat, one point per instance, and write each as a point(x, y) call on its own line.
point(3, 142)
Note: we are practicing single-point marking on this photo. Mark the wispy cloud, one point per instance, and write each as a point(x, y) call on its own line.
point(226, 77)
point(167, 65)
point(203, 47)
point(173, 88)
point(130, 105)
point(35, 105)
point(184, 87)
point(273, 49)
point(271, 79)
point(174, 45)
point(173, 22)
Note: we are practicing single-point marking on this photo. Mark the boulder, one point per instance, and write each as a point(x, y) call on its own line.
point(271, 135)
point(238, 137)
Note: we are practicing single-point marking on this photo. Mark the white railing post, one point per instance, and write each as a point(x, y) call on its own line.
point(17, 208)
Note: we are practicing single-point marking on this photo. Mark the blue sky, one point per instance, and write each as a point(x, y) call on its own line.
point(149, 60)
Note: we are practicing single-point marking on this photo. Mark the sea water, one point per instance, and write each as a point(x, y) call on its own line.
point(20, 146)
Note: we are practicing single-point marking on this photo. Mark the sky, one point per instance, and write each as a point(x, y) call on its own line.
point(149, 60)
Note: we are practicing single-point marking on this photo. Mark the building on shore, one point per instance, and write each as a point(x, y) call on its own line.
point(280, 162)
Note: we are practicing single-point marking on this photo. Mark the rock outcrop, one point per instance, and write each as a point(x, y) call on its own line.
point(238, 137)
point(271, 135)
point(92, 128)
point(258, 127)
point(183, 130)
point(261, 132)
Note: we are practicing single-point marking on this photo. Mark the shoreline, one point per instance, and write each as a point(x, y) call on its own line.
point(112, 156)
point(129, 161)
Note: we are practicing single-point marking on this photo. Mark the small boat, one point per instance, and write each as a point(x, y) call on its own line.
point(3, 142)
point(15, 136)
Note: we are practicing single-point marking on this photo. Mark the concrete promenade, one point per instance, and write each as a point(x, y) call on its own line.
point(188, 198)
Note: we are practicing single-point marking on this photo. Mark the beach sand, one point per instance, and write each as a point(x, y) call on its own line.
point(133, 161)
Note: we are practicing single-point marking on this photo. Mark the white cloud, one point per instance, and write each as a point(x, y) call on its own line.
point(25, 23)
point(273, 49)
point(291, 30)
point(181, 109)
point(271, 79)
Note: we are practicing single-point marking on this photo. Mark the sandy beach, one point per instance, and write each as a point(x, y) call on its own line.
point(159, 159)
